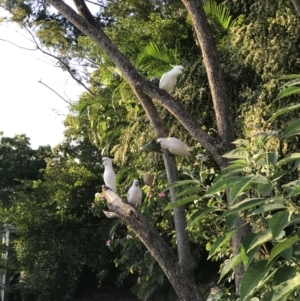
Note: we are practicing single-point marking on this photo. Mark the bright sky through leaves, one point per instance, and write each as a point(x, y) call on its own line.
point(26, 106)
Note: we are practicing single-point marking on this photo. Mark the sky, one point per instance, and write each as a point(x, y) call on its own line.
point(27, 106)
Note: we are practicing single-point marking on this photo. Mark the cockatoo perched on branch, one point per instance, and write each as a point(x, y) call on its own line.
point(169, 79)
point(109, 175)
point(135, 194)
point(175, 146)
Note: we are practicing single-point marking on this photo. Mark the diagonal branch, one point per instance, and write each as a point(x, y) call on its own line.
point(84, 11)
point(68, 102)
point(213, 146)
point(148, 235)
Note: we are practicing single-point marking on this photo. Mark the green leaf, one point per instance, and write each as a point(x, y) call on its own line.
point(238, 188)
point(226, 172)
point(286, 288)
point(221, 185)
point(254, 278)
point(230, 220)
point(289, 158)
point(289, 187)
point(273, 157)
point(278, 222)
point(265, 189)
point(294, 192)
point(180, 202)
point(278, 174)
point(285, 110)
point(290, 76)
point(296, 164)
point(260, 239)
point(196, 216)
point(241, 206)
point(292, 129)
point(284, 273)
point(248, 257)
point(189, 190)
point(281, 246)
point(291, 90)
point(181, 183)
point(229, 265)
point(287, 253)
point(237, 154)
point(266, 208)
point(220, 241)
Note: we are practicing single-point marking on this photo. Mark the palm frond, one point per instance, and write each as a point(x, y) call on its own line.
point(219, 12)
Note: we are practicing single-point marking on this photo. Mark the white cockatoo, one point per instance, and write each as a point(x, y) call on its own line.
point(175, 146)
point(109, 175)
point(135, 194)
point(169, 79)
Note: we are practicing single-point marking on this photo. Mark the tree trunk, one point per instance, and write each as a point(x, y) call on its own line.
point(221, 107)
point(214, 72)
point(185, 288)
point(296, 4)
point(161, 130)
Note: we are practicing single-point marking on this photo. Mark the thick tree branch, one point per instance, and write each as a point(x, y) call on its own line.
point(148, 235)
point(214, 71)
point(296, 4)
point(213, 146)
point(221, 105)
point(84, 11)
point(161, 130)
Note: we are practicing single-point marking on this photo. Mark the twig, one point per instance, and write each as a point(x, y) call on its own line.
point(18, 45)
point(68, 102)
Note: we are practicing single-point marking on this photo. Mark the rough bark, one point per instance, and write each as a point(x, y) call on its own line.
point(213, 146)
point(296, 4)
point(84, 11)
point(221, 104)
point(179, 278)
point(161, 130)
point(214, 71)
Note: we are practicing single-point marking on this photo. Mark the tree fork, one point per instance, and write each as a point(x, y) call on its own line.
point(212, 145)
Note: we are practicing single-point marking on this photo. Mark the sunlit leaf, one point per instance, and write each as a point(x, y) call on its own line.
point(181, 183)
point(243, 205)
point(220, 241)
point(288, 158)
point(229, 265)
point(266, 208)
point(286, 288)
point(260, 239)
point(291, 90)
point(180, 202)
point(196, 216)
point(292, 129)
point(238, 188)
point(281, 246)
point(254, 278)
point(221, 185)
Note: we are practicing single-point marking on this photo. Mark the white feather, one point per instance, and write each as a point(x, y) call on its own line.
point(135, 194)
point(175, 146)
point(169, 79)
point(109, 175)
